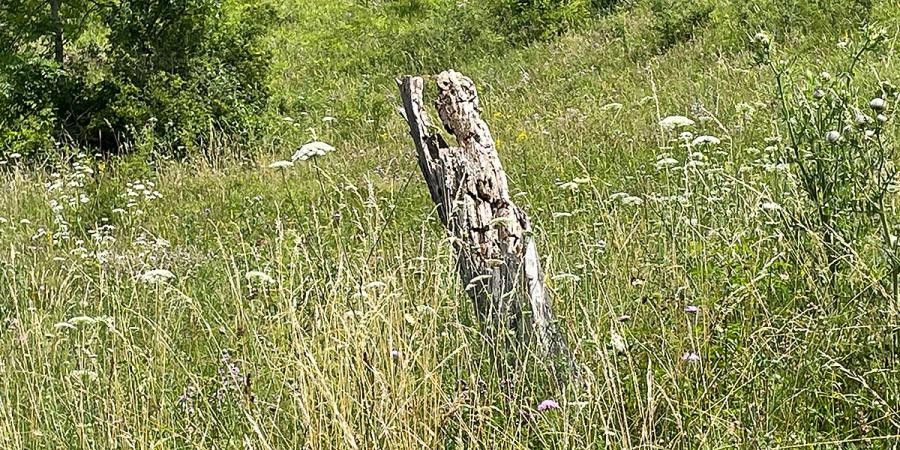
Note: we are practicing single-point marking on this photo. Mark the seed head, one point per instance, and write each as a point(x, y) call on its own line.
point(877, 104)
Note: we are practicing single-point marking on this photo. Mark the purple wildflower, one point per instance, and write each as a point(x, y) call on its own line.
point(690, 357)
point(395, 354)
point(547, 405)
point(691, 309)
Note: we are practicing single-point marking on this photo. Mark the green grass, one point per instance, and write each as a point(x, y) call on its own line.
point(91, 356)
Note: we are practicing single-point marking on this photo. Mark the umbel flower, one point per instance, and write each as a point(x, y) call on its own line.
point(312, 149)
point(156, 276)
point(259, 277)
point(674, 122)
point(280, 164)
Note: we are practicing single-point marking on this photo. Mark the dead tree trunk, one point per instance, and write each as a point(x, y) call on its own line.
point(58, 50)
point(496, 255)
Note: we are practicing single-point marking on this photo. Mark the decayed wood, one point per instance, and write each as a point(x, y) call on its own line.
point(497, 257)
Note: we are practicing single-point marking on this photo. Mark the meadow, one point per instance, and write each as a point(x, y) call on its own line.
point(718, 274)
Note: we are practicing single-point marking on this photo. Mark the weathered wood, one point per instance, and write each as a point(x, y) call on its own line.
point(496, 255)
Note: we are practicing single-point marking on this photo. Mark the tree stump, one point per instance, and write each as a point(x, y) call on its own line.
point(495, 251)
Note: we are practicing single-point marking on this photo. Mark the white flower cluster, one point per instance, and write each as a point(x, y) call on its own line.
point(627, 199)
point(156, 276)
point(674, 122)
point(138, 194)
point(259, 277)
point(311, 150)
point(66, 192)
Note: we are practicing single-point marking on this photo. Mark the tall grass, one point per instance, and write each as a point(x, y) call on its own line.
point(317, 306)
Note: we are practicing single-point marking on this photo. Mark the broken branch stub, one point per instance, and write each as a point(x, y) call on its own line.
point(496, 255)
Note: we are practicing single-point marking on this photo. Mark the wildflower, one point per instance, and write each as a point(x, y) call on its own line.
point(700, 140)
point(861, 119)
point(157, 276)
point(280, 164)
point(187, 398)
point(395, 354)
point(818, 94)
point(632, 201)
point(673, 122)
point(694, 163)
point(770, 206)
point(312, 149)
point(763, 39)
point(877, 104)
point(881, 118)
point(260, 277)
point(617, 343)
point(825, 76)
point(547, 405)
point(666, 162)
point(761, 45)
point(692, 309)
point(83, 375)
point(569, 186)
point(690, 357)
point(833, 136)
point(522, 136)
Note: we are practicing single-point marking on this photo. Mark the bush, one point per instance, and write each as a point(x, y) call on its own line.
point(178, 68)
point(528, 20)
point(676, 20)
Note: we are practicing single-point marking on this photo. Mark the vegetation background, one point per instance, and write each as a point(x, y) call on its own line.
point(712, 183)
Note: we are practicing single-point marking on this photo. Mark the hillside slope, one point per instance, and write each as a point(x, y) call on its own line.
point(233, 305)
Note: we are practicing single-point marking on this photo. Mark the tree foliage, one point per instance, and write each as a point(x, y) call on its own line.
point(108, 74)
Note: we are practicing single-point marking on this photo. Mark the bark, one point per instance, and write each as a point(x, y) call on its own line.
point(496, 254)
point(58, 50)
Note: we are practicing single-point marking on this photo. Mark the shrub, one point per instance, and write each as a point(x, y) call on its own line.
point(179, 68)
point(676, 20)
point(528, 20)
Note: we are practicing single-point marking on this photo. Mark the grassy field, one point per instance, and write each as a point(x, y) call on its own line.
point(225, 304)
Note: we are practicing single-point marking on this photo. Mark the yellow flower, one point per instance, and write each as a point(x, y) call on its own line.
point(521, 136)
